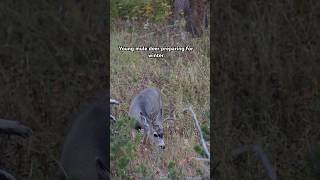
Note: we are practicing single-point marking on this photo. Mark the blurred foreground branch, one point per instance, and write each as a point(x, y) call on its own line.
point(6, 176)
point(14, 127)
point(262, 155)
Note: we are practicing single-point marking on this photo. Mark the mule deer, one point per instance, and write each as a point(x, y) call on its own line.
point(146, 109)
point(84, 153)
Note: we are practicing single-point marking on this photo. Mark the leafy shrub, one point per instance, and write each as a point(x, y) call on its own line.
point(199, 150)
point(171, 172)
point(122, 147)
point(140, 9)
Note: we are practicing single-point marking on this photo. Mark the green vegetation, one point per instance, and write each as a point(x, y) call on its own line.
point(156, 10)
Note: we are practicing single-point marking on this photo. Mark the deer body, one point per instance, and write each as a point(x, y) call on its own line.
point(146, 109)
point(84, 152)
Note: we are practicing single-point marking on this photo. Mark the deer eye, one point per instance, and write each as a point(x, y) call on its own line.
point(155, 135)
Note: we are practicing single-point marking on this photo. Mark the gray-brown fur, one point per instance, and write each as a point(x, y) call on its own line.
point(84, 153)
point(146, 109)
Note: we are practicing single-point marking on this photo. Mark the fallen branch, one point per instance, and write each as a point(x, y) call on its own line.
point(113, 102)
point(199, 129)
point(6, 176)
point(63, 173)
point(113, 118)
point(14, 127)
point(262, 155)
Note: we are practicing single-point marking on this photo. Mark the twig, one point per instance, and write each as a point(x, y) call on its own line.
point(14, 127)
point(200, 132)
point(113, 101)
point(62, 170)
point(113, 118)
point(262, 155)
point(6, 176)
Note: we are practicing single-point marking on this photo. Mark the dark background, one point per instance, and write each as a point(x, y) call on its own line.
point(53, 60)
point(265, 87)
point(265, 82)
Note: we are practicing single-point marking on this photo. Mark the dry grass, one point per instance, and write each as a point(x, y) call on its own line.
point(266, 86)
point(52, 59)
point(183, 78)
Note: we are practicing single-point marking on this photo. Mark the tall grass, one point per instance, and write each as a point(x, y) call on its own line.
point(266, 86)
point(52, 59)
point(182, 78)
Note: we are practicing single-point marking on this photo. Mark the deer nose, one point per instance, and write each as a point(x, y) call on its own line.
point(162, 146)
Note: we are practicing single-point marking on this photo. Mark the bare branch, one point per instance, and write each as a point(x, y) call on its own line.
point(14, 127)
point(113, 101)
point(63, 172)
point(199, 129)
point(6, 176)
point(262, 155)
point(113, 118)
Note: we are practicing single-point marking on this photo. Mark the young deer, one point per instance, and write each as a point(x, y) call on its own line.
point(146, 109)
